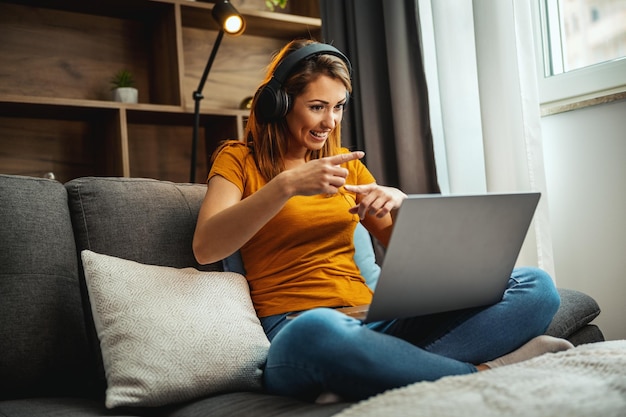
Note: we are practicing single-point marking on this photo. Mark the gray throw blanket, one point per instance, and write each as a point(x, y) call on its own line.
point(589, 380)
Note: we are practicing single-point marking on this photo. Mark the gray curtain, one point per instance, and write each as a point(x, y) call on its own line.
point(387, 116)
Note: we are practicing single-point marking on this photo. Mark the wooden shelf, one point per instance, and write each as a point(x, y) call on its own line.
point(58, 56)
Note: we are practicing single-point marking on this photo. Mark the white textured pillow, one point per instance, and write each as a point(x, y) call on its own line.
point(169, 335)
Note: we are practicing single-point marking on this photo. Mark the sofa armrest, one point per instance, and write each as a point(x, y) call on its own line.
point(577, 310)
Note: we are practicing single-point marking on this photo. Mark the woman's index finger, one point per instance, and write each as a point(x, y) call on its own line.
point(346, 157)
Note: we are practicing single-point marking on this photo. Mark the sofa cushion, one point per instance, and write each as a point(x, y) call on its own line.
point(144, 220)
point(254, 404)
point(224, 405)
point(234, 263)
point(43, 343)
point(170, 335)
point(365, 257)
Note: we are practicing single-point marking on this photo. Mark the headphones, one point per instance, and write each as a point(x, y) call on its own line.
point(272, 101)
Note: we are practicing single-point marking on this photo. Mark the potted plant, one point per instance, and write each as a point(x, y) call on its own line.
point(123, 87)
point(272, 4)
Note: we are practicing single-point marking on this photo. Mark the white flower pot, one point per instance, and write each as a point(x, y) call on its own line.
point(126, 94)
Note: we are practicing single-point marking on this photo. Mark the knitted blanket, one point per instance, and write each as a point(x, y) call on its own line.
point(589, 380)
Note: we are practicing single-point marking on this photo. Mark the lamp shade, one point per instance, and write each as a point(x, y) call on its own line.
point(228, 18)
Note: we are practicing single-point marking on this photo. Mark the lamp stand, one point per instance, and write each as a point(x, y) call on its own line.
point(197, 96)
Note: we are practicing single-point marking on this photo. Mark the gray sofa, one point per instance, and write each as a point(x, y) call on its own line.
point(51, 362)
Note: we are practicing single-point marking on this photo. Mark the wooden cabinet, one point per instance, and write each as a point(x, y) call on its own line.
point(58, 56)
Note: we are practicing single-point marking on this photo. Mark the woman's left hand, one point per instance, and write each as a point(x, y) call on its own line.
point(375, 200)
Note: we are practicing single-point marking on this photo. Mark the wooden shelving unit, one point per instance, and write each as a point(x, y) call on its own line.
point(58, 56)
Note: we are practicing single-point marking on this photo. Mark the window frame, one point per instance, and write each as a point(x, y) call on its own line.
point(599, 80)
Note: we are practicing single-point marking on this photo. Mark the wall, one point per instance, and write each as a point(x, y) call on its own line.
point(585, 163)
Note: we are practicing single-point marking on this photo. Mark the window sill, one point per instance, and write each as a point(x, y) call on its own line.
point(549, 109)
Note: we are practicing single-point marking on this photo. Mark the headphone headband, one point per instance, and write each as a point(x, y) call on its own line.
point(286, 65)
point(272, 102)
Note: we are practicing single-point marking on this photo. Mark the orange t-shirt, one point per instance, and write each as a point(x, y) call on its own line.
point(304, 256)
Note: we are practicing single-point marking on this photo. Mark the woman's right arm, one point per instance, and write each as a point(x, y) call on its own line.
point(226, 222)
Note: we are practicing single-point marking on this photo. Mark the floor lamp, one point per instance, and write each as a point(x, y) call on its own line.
point(232, 23)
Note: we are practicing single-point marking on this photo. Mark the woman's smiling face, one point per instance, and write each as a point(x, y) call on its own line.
point(315, 113)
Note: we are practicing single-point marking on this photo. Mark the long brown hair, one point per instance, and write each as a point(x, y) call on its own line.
point(269, 140)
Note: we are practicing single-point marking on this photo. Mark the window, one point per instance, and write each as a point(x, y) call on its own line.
point(583, 48)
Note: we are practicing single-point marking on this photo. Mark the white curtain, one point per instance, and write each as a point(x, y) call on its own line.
point(490, 113)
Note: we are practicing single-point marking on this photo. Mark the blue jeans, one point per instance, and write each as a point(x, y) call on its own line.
point(324, 350)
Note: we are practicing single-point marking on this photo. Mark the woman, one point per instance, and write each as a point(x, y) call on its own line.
point(289, 199)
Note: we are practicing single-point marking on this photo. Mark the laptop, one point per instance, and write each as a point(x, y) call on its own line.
point(449, 253)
